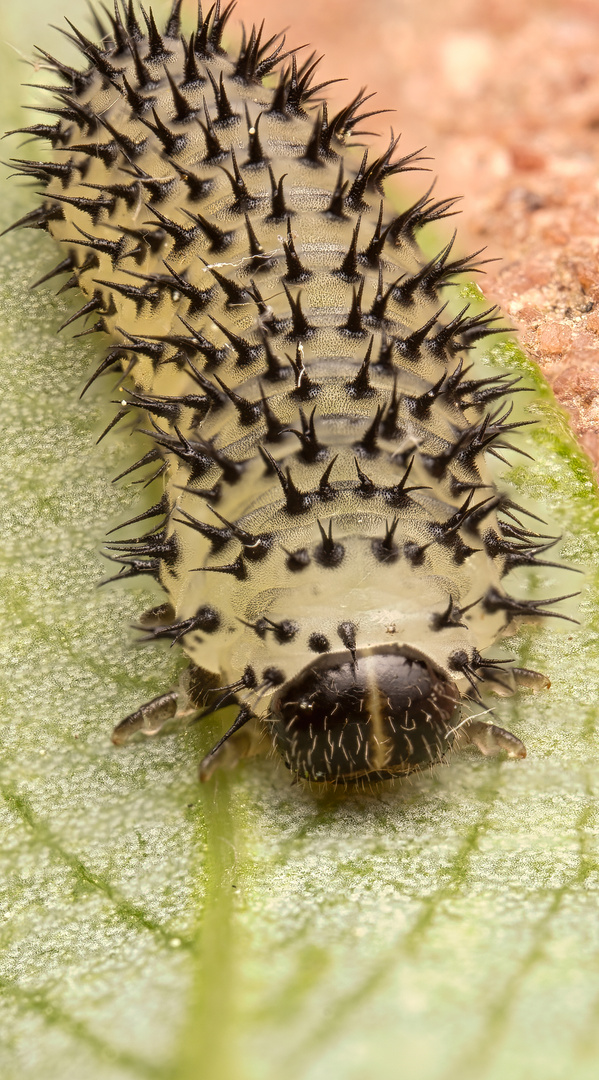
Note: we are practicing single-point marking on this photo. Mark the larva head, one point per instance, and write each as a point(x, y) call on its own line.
point(383, 714)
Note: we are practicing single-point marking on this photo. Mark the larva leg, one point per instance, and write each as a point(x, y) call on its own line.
point(532, 680)
point(178, 704)
point(505, 681)
point(490, 739)
point(250, 741)
point(148, 719)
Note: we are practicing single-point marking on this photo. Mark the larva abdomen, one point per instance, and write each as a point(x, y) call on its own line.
point(331, 540)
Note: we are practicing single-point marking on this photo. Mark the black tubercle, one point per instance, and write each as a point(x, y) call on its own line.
point(329, 552)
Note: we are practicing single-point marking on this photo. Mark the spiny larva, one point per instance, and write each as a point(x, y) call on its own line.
point(331, 541)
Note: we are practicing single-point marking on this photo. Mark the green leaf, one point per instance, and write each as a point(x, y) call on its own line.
point(246, 930)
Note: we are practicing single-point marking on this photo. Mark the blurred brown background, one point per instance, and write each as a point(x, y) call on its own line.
point(505, 94)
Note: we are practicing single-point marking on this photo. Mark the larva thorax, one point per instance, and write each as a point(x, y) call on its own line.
point(329, 520)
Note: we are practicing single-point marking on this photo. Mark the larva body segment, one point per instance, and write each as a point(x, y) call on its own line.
point(333, 546)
